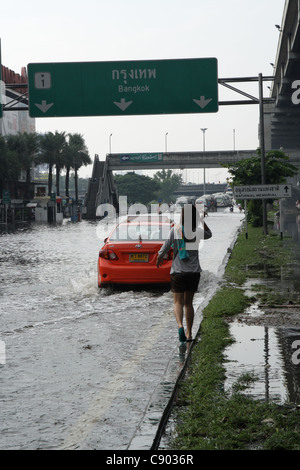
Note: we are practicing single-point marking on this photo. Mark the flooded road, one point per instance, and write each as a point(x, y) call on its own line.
point(84, 366)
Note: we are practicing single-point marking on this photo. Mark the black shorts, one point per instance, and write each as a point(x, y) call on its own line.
point(185, 282)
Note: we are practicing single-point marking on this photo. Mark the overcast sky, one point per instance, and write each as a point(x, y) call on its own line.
point(239, 33)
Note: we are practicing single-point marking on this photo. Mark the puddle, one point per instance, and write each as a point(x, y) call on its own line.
point(267, 339)
point(271, 356)
point(268, 354)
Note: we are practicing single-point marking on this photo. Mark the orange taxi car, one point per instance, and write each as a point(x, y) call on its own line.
point(129, 253)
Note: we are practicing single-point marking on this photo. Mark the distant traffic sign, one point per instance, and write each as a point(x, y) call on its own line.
point(266, 191)
point(123, 88)
point(141, 157)
point(5, 196)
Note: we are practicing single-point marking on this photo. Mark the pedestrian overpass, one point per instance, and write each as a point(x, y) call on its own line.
point(102, 188)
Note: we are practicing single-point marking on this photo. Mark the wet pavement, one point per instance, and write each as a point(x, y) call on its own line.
point(88, 368)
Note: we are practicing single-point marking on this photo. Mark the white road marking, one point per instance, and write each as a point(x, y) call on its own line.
point(82, 429)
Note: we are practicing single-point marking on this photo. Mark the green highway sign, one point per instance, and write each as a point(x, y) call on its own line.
point(140, 157)
point(176, 86)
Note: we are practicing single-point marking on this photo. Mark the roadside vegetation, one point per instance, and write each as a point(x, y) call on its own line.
point(145, 190)
point(248, 172)
point(206, 417)
point(64, 154)
point(23, 151)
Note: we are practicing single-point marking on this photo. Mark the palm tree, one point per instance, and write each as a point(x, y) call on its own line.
point(69, 150)
point(26, 147)
point(59, 162)
point(51, 147)
point(10, 166)
point(81, 158)
point(76, 155)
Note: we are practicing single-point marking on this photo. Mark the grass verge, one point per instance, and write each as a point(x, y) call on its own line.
point(207, 417)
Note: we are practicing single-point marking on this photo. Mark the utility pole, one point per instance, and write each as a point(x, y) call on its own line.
point(262, 149)
point(204, 130)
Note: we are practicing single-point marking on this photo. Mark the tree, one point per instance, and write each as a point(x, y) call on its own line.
point(137, 188)
point(76, 156)
point(21, 151)
point(248, 172)
point(10, 165)
point(69, 151)
point(59, 160)
point(51, 148)
point(26, 147)
point(168, 182)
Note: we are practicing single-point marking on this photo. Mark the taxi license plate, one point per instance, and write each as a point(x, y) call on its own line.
point(138, 258)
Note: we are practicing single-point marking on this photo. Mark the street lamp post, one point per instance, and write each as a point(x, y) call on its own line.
point(166, 142)
point(110, 143)
point(204, 130)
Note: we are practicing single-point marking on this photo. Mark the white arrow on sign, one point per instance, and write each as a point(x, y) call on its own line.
point(44, 106)
point(123, 104)
point(202, 102)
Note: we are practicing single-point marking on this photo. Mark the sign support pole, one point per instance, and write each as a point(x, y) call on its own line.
point(262, 149)
point(280, 218)
point(246, 217)
point(5, 205)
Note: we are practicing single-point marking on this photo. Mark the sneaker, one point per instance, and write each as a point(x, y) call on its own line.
point(182, 337)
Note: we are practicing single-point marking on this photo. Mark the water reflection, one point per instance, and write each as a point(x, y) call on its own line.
point(268, 354)
point(288, 341)
point(288, 218)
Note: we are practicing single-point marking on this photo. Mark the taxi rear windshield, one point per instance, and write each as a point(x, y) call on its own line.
point(140, 232)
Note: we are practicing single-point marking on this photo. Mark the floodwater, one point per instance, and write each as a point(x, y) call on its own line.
point(267, 345)
point(270, 354)
point(86, 368)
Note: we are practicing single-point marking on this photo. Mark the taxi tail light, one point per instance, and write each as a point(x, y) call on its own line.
point(108, 254)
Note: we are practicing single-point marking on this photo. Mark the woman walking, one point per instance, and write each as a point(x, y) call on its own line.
point(185, 271)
